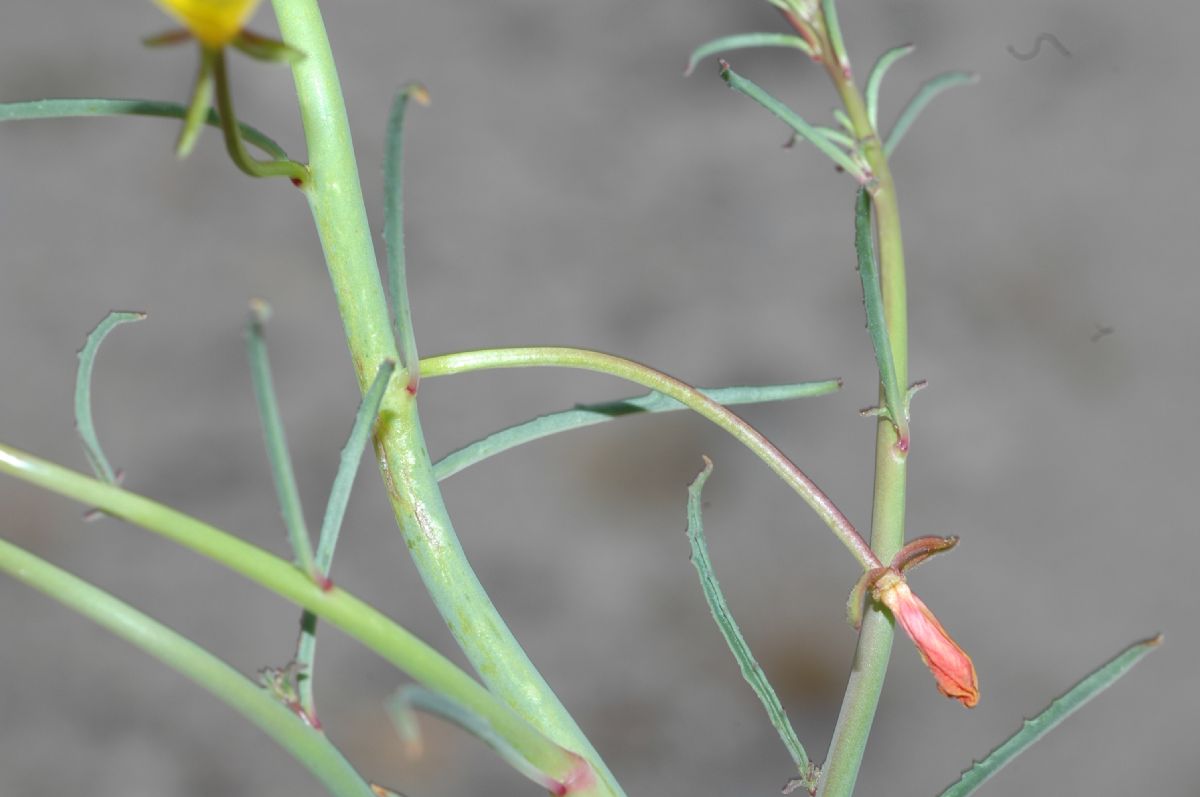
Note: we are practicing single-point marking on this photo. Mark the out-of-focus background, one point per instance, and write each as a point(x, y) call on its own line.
point(570, 186)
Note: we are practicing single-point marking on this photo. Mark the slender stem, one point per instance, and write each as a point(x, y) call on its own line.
point(296, 172)
point(684, 394)
point(887, 520)
point(335, 198)
point(356, 618)
point(309, 747)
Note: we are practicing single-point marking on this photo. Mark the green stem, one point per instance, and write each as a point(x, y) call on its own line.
point(308, 746)
point(359, 620)
point(296, 172)
point(681, 392)
point(335, 198)
point(887, 518)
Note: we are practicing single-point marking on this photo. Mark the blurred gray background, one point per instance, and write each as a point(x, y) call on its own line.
point(570, 186)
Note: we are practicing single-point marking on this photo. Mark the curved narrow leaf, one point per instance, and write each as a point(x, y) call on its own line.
point(590, 414)
point(742, 41)
point(84, 423)
point(331, 526)
point(409, 699)
point(923, 97)
point(750, 668)
point(1056, 712)
point(880, 69)
point(393, 232)
point(59, 108)
point(309, 747)
point(278, 456)
point(793, 120)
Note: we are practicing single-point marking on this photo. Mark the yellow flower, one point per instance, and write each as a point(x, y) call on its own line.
point(214, 22)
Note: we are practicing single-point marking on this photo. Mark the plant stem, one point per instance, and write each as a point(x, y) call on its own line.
point(887, 519)
point(335, 198)
point(683, 393)
point(357, 619)
point(309, 747)
point(296, 172)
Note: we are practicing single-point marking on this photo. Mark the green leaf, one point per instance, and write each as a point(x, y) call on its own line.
point(876, 323)
point(751, 670)
point(309, 747)
point(590, 414)
point(876, 78)
point(393, 232)
point(742, 41)
point(409, 699)
point(923, 97)
point(335, 512)
point(58, 108)
point(273, 433)
point(84, 424)
point(1056, 712)
point(352, 452)
point(792, 120)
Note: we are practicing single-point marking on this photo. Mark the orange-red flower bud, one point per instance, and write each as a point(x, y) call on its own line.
point(951, 667)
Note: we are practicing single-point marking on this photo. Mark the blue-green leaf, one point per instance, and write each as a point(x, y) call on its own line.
point(589, 414)
point(273, 433)
point(793, 120)
point(923, 97)
point(871, 94)
point(751, 671)
point(84, 423)
point(393, 232)
point(743, 41)
point(409, 699)
point(59, 108)
point(1034, 729)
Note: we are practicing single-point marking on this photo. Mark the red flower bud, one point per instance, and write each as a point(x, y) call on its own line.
point(951, 667)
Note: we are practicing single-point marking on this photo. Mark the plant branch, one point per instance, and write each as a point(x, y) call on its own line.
point(746, 434)
point(335, 198)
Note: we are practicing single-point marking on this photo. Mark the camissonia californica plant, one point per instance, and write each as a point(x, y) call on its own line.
point(509, 706)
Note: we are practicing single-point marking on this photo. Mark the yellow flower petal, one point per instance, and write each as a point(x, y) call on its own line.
point(214, 22)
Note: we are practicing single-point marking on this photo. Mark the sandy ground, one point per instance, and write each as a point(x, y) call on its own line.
point(570, 186)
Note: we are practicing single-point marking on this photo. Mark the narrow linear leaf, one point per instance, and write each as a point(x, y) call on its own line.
point(352, 453)
point(412, 698)
point(876, 323)
point(310, 748)
point(393, 232)
point(273, 433)
point(751, 671)
point(590, 414)
point(792, 120)
point(923, 97)
point(844, 120)
point(1034, 729)
point(84, 423)
point(62, 108)
point(837, 136)
point(742, 41)
point(880, 69)
point(335, 512)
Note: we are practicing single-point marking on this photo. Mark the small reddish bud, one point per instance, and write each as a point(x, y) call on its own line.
point(951, 667)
